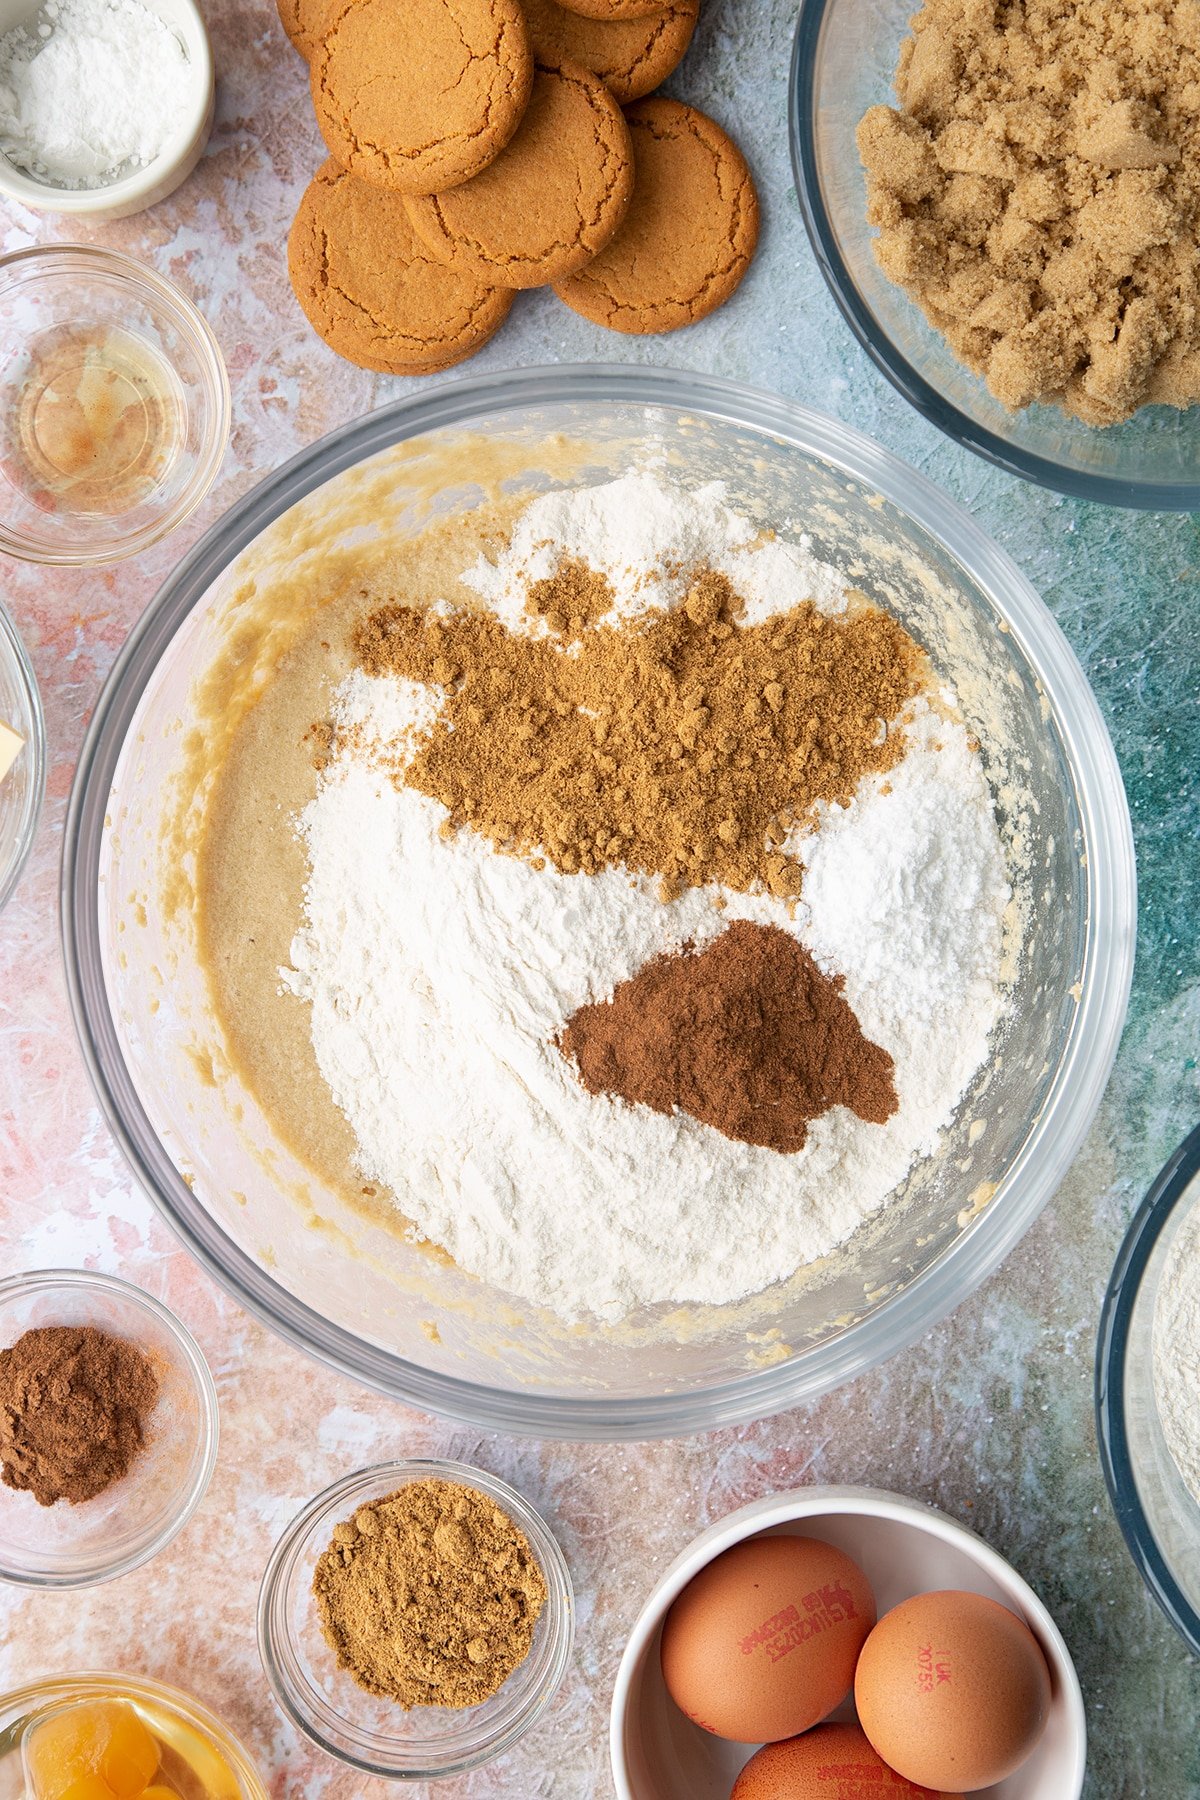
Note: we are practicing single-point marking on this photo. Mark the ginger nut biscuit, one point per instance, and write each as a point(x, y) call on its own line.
point(420, 94)
point(372, 290)
point(304, 22)
point(688, 236)
point(614, 9)
point(551, 200)
point(631, 56)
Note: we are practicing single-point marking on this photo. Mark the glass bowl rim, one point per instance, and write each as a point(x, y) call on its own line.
point(28, 1283)
point(138, 1686)
point(337, 1499)
point(1166, 1192)
point(36, 749)
point(55, 259)
point(1109, 924)
point(960, 427)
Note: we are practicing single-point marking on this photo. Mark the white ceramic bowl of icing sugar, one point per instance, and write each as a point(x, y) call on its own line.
point(182, 150)
point(903, 1547)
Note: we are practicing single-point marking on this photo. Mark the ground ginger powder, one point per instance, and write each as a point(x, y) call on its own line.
point(683, 745)
point(1038, 194)
point(430, 1596)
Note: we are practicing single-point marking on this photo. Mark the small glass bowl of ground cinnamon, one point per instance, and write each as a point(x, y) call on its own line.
point(416, 1619)
point(109, 1430)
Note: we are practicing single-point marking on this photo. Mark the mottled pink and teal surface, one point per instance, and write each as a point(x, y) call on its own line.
point(991, 1416)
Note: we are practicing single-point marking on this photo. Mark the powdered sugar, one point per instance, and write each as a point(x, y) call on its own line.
point(906, 890)
point(88, 89)
point(439, 974)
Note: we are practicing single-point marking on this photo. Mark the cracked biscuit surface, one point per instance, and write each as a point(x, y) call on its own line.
point(420, 95)
point(552, 200)
point(304, 22)
point(614, 9)
point(690, 232)
point(372, 290)
point(631, 56)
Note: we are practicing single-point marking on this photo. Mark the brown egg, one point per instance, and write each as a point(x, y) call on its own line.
point(833, 1762)
point(762, 1643)
point(952, 1690)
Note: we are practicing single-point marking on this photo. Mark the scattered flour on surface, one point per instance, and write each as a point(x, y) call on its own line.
point(439, 973)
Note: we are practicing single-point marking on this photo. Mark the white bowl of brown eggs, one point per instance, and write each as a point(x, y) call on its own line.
point(844, 1641)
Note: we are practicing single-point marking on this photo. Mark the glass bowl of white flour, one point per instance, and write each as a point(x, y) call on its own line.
point(1147, 1383)
point(579, 1265)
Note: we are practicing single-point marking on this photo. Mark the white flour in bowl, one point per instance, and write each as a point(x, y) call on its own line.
point(1176, 1338)
point(439, 973)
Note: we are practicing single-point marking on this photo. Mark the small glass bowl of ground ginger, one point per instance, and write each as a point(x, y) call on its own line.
point(416, 1619)
point(108, 1428)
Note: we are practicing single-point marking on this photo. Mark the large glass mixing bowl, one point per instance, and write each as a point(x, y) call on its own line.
point(384, 1310)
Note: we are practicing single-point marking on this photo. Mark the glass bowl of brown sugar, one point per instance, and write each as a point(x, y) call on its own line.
point(108, 1428)
point(412, 1530)
point(843, 63)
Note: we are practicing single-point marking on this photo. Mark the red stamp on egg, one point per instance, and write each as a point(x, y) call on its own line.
point(786, 1630)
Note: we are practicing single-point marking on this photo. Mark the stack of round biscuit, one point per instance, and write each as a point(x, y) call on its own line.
point(482, 146)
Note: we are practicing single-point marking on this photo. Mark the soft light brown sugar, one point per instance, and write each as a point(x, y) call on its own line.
point(684, 745)
point(1038, 194)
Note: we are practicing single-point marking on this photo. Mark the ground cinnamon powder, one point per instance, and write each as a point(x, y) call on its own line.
point(429, 1597)
point(682, 744)
point(747, 1035)
point(73, 1407)
point(1038, 194)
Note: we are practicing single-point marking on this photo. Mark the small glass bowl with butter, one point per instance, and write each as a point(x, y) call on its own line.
point(104, 1734)
point(114, 406)
point(22, 755)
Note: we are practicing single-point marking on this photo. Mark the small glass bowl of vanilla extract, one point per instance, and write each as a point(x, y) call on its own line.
point(114, 405)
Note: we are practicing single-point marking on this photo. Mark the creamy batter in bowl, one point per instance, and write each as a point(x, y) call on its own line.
point(336, 1275)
